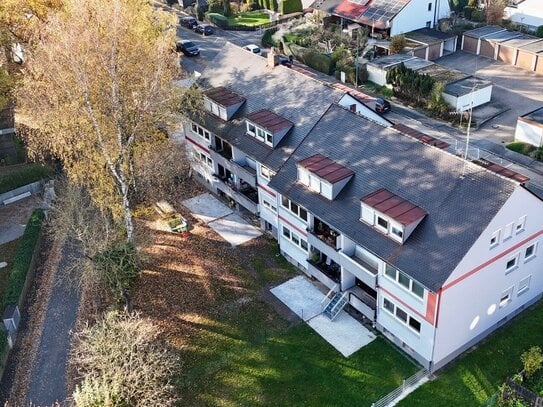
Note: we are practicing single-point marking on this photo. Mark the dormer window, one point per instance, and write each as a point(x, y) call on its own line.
point(267, 127)
point(222, 102)
point(391, 214)
point(323, 175)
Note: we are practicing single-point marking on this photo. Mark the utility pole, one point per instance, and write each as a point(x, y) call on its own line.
point(356, 59)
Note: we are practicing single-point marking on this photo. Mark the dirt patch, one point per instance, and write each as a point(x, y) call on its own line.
point(13, 217)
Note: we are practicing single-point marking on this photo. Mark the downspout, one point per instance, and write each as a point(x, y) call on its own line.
point(435, 12)
point(439, 293)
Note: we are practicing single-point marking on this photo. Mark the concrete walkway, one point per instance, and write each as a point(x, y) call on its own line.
point(47, 382)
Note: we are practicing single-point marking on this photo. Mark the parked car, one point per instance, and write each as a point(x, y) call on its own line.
point(287, 61)
point(189, 22)
point(255, 49)
point(188, 48)
point(204, 29)
point(382, 105)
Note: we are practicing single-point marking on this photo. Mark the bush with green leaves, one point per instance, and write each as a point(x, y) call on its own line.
point(23, 258)
point(290, 6)
point(23, 175)
point(118, 267)
point(532, 360)
point(410, 85)
point(267, 38)
point(539, 31)
point(218, 19)
point(397, 44)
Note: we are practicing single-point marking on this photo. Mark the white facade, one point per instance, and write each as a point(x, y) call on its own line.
point(419, 14)
point(377, 75)
point(471, 303)
point(528, 13)
point(353, 104)
point(463, 102)
point(529, 132)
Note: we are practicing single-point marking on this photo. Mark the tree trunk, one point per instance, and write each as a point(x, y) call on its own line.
point(126, 207)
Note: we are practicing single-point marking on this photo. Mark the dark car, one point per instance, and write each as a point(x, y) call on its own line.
point(204, 29)
point(189, 22)
point(188, 48)
point(287, 61)
point(382, 105)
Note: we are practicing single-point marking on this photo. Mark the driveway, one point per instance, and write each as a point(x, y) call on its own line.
point(520, 90)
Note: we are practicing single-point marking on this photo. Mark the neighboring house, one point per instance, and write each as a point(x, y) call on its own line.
point(530, 128)
point(435, 251)
point(430, 44)
point(394, 17)
point(528, 13)
point(512, 47)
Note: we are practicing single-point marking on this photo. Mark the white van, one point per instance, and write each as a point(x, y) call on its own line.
point(255, 49)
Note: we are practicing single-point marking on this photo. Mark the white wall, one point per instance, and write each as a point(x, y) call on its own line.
point(529, 12)
point(463, 103)
point(415, 15)
point(470, 306)
point(377, 75)
point(296, 225)
point(529, 133)
point(363, 110)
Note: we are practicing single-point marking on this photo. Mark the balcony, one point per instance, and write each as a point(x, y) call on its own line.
point(325, 233)
point(246, 197)
point(324, 268)
point(359, 268)
point(363, 302)
point(242, 171)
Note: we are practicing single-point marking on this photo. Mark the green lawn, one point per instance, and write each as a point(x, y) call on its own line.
point(18, 175)
point(472, 380)
point(249, 19)
point(7, 254)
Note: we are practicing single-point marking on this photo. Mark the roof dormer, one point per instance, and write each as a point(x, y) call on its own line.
point(268, 127)
point(323, 175)
point(222, 102)
point(391, 214)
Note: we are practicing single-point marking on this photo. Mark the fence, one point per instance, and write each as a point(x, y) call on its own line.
point(525, 394)
point(262, 27)
point(394, 394)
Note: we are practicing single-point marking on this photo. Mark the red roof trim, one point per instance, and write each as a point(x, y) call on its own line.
point(326, 168)
point(269, 120)
point(224, 97)
point(394, 206)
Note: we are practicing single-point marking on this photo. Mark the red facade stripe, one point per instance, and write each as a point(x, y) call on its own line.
point(197, 144)
point(407, 306)
point(492, 260)
point(303, 232)
point(269, 191)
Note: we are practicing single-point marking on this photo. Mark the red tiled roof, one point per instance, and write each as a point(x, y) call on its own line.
point(504, 172)
point(325, 168)
point(269, 120)
point(421, 136)
point(224, 96)
point(350, 10)
point(394, 206)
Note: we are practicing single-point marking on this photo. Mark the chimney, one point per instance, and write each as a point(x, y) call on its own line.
point(273, 58)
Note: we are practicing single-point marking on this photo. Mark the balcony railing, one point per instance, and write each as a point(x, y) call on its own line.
point(363, 302)
point(359, 268)
point(230, 189)
point(332, 271)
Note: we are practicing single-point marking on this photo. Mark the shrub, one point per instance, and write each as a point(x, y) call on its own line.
point(521, 148)
point(217, 19)
point(397, 44)
point(267, 38)
point(539, 31)
point(532, 360)
point(23, 175)
point(537, 154)
point(290, 6)
point(468, 12)
point(23, 258)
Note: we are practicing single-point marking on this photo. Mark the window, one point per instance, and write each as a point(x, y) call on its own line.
point(388, 306)
point(294, 208)
point(429, 6)
point(404, 281)
point(266, 172)
point(259, 133)
point(495, 239)
point(294, 238)
point(251, 129)
point(508, 231)
point(382, 222)
point(524, 285)
point(506, 297)
point(520, 224)
point(511, 264)
point(396, 231)
point(269, 139)
point(269, 205)
point(204, 158)
point(428, 24)
point(201, 131)
point(401, 314)
point(530, 252)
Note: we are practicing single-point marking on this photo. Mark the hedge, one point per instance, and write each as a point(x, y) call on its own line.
point(23, 258)
point(23, 175)
point(218, 19)
point(267, 38)
point(290, 6)
point(313, 59)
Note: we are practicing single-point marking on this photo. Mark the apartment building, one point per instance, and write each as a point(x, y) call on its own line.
point(435, 251)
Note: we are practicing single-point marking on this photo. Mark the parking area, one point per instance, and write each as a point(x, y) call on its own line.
point(520, 90)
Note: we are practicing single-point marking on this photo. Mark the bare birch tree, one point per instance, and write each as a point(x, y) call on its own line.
point(100, 80)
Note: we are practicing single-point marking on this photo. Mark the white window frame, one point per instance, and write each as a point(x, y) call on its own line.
point(295, 239)
point(530, 257)
point(524, 285)
point(508, 231)
point(380, 227)
point(506, 297)
point(396, 280)
point(496, 237)
point(289, 207)
point(249, 131)
point(266, 173)
point(521, 224)
point(514, 266)
point(394, 312)
point(269, 205)
point(200, 131)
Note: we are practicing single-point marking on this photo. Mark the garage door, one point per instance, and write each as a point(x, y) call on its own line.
point(524, 60)
point(470, 44)
point(421, 53)
point(539, 66)
point(507, 54)
point(487, 49)
point(435, 51)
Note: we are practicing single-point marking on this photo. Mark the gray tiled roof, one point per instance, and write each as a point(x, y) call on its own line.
point(459, 208)
point(290, 94)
